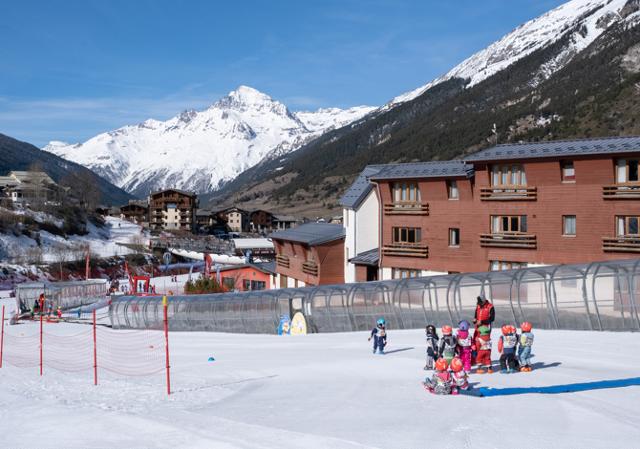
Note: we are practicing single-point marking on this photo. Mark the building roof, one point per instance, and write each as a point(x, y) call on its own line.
point(265, 267)
point(31, 177)
point(182, 192)
point(355, 195)
point(256, 243)
point(285, 218)
point(558, 148)
point(431, 169)
point(311, 233)
point(370, 257)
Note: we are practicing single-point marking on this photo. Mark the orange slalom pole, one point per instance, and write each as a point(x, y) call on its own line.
point(165, 304)
point(2, 338)
point(95, 351)
point(41, 339)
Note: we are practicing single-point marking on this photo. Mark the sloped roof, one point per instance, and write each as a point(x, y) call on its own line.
point(558, 148)
point(284, 218)
point(311, 233)
point(360, 188)
point(431, 169)
point(183, 192)
point(370, 257)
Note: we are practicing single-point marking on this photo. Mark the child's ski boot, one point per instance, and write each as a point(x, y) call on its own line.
point(480, 371)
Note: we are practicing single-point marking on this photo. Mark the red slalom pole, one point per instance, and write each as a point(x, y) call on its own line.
point(165, 304)
point(95, 351)
point(2, 338)
point(41, 343)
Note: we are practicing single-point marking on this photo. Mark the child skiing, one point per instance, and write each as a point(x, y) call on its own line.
point(440, 382)
point(448, 344)
point(507, 347)
point(524, 350)
point(464, 341)
point(379, 335)
point(459, 377)
point(483, 349)
point(432, 346)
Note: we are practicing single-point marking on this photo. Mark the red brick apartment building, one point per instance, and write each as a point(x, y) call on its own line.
point(309, 254)
point(511, 206)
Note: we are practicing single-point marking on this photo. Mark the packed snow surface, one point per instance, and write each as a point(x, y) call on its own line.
point(326, 391)
point(199, 150)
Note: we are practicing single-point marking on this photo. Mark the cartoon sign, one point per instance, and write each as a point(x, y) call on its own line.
point(298, 324)
point(284, 328)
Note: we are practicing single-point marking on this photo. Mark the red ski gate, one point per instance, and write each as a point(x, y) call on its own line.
point(93, 349)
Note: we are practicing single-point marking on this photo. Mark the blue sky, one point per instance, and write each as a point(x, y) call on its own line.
point(72, 69)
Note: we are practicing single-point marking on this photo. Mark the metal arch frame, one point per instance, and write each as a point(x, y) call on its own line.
point(632, 296)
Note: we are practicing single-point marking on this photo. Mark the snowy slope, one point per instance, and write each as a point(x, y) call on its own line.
point(582, 20)
point(324, 391)
point(200, 150)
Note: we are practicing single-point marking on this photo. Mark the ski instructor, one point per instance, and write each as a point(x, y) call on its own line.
point(485, 316)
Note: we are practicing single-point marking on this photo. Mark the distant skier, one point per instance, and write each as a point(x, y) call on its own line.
point(432, 346)
point(483, 350)
point(448, 344)
point(379, 335)
point(441, 380)
point(459, 377)
point(464, 341)
point(524, 349)
point(507, 347)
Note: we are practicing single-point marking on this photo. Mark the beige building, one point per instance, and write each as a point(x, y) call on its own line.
point(172, 210)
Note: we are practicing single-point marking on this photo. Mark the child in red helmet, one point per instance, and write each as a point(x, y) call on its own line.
point(448, 344)
point(460, 379)
point(441, 381)
point(483, 349)
point(524, 350)
point(464, 341)
point(507, 347)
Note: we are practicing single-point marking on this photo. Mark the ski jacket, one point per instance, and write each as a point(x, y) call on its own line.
point(382, 331)
point(460, 379)
point(484, 343)
point(448, 345)
point(432, 345)
point(526, 339)
point(485, 314)
point(507, 344)
point(464, 339)
point(441, 382)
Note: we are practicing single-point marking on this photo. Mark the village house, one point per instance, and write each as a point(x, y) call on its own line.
point(172, 210)
point(136, 211)
point(25, 188)
point(237, 219)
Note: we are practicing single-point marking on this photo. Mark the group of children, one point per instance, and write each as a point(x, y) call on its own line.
point(451, 356)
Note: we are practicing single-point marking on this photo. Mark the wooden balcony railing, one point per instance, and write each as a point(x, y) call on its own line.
point(509, 193)
point(621, 192)
point(621, 244)
point(406, 250)
point(509, 240)
point(406, 209)
point(310, 268)
point(282, 261)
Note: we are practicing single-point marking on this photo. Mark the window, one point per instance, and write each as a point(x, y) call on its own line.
point(246, 285)
point(627, 226)
point(508, 175)
point(508, 223)
point(406, 192)
point(627, 171)
point(568, 225)
point(454, 237)
point(407, 235)
point(498, 265)
point(258, 285)
point(568, 171)
point(404, 273)
point(452, 190)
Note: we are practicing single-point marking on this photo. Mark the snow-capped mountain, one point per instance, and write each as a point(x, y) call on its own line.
point(582, 20)
point(200, 150)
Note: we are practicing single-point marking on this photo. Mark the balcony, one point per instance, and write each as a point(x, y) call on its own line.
point(508, 240)
point(406, 250)
point(509, 193)
point(626, 191)
point(310, 268)
point(282, 261)
point(621, 244)
point(406, 208)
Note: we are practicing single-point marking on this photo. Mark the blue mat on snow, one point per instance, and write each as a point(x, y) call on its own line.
point(557, 389)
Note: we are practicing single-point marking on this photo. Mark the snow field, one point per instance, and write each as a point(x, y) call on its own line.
point(325, 391)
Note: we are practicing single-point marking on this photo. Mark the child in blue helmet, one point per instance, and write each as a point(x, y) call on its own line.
point(379, 335)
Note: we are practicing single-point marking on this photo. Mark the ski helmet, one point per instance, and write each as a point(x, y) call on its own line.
point(526, 326)
point(463, 325)
point(441, 364)
point(381, 322)
point(430, 329)
point(446, 330)
point(484, 330)
point(506, 329)
point(456, 365)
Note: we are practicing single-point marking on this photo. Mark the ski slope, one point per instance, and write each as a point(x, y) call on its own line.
point(326, 391)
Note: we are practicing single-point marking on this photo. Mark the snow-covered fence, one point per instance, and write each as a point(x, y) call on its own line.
point(595, 296)
point(96, 348)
